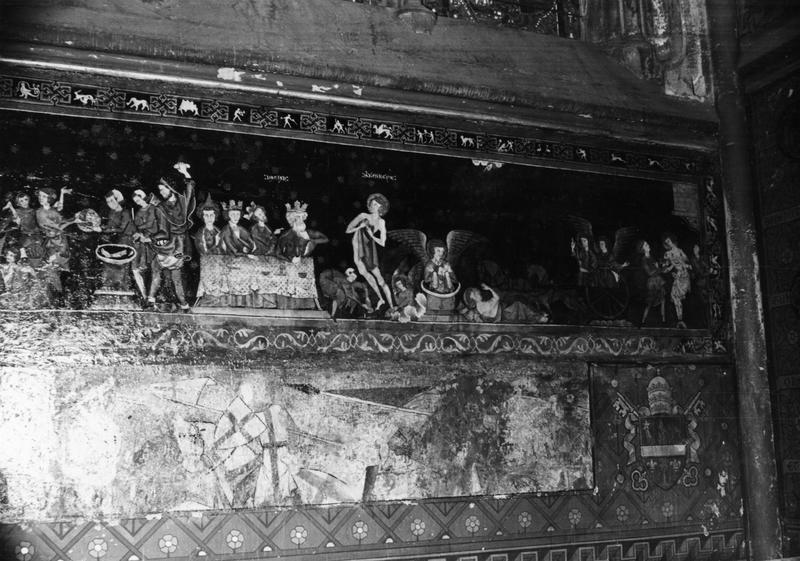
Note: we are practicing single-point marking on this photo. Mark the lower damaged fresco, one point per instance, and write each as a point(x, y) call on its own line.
point(348, 457)
point(131, 441)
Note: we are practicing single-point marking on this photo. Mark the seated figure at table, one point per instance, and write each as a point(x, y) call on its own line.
point(245, 278)
point(208, 239)
point(236, 239)
point(299, 241)
point(263, 237)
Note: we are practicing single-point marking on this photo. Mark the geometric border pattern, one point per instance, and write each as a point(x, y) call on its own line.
point(155, 106)
point(342, 536)
point(714, 239)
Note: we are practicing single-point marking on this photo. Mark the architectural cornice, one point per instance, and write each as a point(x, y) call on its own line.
point(498, 73)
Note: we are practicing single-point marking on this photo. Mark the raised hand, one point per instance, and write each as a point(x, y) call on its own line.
point(183, 168)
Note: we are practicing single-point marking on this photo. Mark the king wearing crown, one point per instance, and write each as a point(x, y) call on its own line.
point(298, 241)
point(235, 239)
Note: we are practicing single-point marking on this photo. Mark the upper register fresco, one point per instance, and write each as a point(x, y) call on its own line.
point(102, 215)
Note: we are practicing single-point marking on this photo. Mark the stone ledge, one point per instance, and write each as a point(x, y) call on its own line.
point(106, 337)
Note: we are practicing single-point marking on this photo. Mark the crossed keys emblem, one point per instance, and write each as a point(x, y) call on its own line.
point(661, 438)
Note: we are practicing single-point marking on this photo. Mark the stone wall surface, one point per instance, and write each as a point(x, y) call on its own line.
point(775, 114)
point(350, 43)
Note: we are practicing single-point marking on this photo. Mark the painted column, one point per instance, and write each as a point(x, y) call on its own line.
point(739, 190)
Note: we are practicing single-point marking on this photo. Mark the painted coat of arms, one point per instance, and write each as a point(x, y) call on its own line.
point(661, 439)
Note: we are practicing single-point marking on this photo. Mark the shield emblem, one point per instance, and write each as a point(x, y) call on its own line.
point(662, 448)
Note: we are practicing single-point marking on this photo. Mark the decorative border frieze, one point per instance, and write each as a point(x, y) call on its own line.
point(73, 338)
point(390, 532)
point(94, 100)
point(715, 249)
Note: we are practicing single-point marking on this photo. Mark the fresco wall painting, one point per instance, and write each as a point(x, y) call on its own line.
point(234, 346)
point(104, 216)
point(131, 441)
point(660, 456)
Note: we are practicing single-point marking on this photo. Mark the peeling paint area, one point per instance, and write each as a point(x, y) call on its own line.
point(27, 431)
point(230, 74)
point(135, 440)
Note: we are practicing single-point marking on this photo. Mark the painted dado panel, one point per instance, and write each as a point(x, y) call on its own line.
point(157, 457)
point(131, 441)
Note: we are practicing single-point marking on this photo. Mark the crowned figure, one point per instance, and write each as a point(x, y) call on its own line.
point(235, 239)
point(298, 241)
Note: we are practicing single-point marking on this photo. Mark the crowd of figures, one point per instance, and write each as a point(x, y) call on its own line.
point(149, 249)
point(150, 242)
point(37, 250)
point(654, 281)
